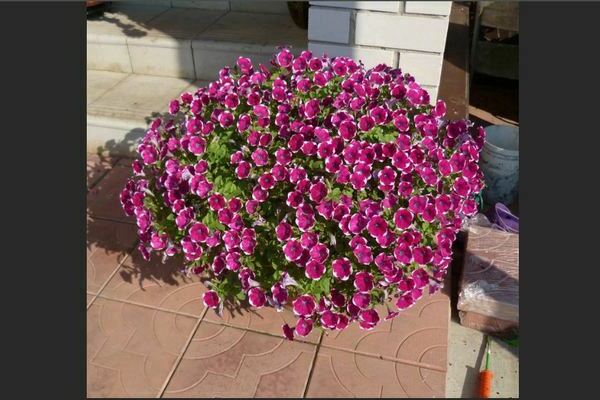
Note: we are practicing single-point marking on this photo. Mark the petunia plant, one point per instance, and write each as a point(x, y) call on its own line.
point(314, 183)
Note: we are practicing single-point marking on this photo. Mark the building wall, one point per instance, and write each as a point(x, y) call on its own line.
point(406, 34)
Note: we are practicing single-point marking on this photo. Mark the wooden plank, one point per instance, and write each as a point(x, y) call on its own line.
point(454, 82)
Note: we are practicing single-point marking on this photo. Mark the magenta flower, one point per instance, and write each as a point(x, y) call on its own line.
point(259, 194)
point(174, 107)
point(422, 255)
point(308, 240)
point(363, 281)
point(260, 157)
point(211, 299)
point(337, 299)
point(280, 293)
point(403, 218)
point(245, 65)
point(368, 319)
point(329, 319)
point(377, 226)
point(405, 301)
point(266, 181)
point(417, 204)
point(216, 202)
point(387, 176)
point(357, 223)
point(319, 252)
point(318, 191)
point(363, 254)
point(256, 297)
point(304, 327)
point(311, 108)
point(284, 58)
point(401, 123)
point(366, 123)
point(347, 129)
point(159, 241)
point(443, 203)
point(314, 270)
point(304, 305)
point(198, 232)
point(288, 332)
point(292, 250)
point(462, 187)
point(243, 170)
point(283, 231)
point(361, 300)
point(294, 199)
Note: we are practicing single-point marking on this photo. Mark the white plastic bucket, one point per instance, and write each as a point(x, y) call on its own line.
point(500, 163)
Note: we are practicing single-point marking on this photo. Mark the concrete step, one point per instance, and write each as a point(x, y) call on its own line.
point(121, 105)
point(189, 43)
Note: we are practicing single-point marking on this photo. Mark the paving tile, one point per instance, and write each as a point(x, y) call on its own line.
point(265, 319)
point(97, 166)
point(103, 199)
point(89, 299)
point(183, 23)
point(123, 19)
point(339, 373)
point(131, 350)
point(259, 7)
point(227, 362)
point(259, 29)
point(99, 82)
point(108, 243)
point(107, 52)
point(137, 97)
point(164, 56)
point(155, 284)
point(418, 335)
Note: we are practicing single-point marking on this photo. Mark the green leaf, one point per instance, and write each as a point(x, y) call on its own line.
point(211, 221)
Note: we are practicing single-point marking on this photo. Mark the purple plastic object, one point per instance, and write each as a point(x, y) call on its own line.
point(504, 220)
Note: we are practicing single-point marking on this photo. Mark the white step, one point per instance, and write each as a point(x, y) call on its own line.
point(120, 107)
point(187, 43)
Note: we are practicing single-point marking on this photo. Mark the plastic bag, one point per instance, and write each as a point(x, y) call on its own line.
point(490, 280)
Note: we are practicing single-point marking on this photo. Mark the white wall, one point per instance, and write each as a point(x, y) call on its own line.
point(406, 34)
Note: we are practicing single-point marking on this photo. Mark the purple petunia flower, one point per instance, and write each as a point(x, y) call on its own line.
point(304, 327)
point(304, 305)
point(363, 254)
point(314, 270)
point(211, 299)
point(377, 226)
point(363, 281)
point(292, 250)
point(256, 297)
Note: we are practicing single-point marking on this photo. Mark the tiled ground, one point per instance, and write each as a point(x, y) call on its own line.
point(149, 335)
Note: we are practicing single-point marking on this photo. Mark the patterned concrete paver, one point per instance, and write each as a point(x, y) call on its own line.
point(130, 349)
point(108, 243)
point(266, 320)
point(416, 336)
point(103, 198)
point(229, 362)
point(97, 167)
point(339, 373)
point(158, 285)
